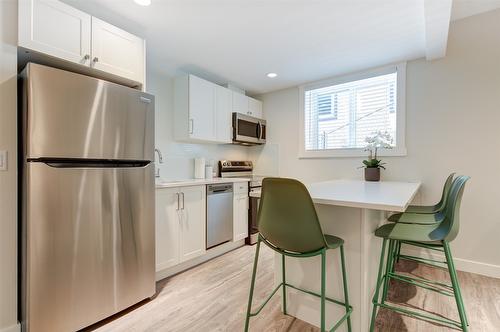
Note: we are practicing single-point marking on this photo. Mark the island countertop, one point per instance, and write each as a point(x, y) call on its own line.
point(383, 195)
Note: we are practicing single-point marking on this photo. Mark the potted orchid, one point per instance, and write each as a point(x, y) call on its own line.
point(372, 165)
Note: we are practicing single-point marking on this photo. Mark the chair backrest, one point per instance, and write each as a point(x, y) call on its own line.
point(287, 218)
point(449, 227)
point(446, 190)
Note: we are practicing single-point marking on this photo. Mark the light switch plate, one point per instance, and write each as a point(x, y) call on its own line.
point(3, 160)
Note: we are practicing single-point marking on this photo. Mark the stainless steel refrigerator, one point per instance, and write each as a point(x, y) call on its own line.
point(87, 193)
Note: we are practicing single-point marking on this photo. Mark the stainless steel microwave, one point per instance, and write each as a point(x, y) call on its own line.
point(248, 130)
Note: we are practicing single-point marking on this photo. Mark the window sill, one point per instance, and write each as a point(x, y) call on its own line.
point(350, 153)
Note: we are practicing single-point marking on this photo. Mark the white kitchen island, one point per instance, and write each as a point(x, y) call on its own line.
point(352, 210)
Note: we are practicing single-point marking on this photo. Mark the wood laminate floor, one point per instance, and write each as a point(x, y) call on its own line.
point(213, 297)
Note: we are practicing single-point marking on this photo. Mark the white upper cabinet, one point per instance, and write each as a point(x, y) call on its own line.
point(223, 100)
point(56, 29)
point(254, 108)
point(64, 33)
point(202, 111)
point(246, 105)
point(116, 51)
point(240, 103)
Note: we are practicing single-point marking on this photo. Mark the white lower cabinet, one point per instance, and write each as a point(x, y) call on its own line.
point(193, 222)
point(180, 225)
point(240, 211)
point(167, 228)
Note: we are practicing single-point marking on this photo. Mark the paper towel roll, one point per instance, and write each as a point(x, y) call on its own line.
point(199, 168)
point(209, 172)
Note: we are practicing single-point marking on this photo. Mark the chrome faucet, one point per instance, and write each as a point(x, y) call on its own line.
point(160, 161)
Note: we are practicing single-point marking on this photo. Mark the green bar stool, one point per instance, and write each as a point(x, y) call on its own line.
point(430, 236)
point(289, 225)
point(416, 214)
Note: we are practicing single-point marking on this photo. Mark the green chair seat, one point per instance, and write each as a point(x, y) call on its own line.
point(333, 242)
point(413, 212)
point(423, 209)
point(407, 232)
point(415, 218)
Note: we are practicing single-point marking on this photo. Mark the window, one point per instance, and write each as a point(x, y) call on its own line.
point(339, 114)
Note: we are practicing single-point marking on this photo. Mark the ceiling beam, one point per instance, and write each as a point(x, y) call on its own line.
point(437, 14)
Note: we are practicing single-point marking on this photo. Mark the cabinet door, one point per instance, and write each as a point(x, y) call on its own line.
point(240, 103)
point(201, 109)
point(56, 29)
point(240, 217)
point(254, 108)
point(193, 222)
point(167, 228)
point(116, 51)
point(223, 108)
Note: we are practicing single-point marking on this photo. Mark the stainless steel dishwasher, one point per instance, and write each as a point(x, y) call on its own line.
point(219, 214)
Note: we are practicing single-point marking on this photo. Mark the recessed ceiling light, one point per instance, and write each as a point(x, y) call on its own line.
point(143, 2)
point(272, 75)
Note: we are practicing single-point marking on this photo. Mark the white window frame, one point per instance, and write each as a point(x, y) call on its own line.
point(399, 150)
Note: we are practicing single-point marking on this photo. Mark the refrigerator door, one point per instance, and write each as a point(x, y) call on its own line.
point(69, 115)
point(89, 248)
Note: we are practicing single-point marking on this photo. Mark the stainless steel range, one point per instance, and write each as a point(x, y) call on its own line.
point(244, 169)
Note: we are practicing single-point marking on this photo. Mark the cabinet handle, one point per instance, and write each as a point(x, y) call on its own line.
point(182, 201)
point(96, 59)
point(178, 196)
point(191, 124)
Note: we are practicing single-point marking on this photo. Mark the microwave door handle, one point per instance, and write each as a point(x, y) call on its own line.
point(259, 129)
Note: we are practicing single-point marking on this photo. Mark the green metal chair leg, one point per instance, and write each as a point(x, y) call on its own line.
point(323, 289)
point(395, 255)
point(388, 268)
point(456, 286)
point(252, 285)
point(284, 282)
point(344, 282)
point(398, 253)
point(379, 277)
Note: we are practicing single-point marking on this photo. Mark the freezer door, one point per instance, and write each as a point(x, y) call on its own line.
point(68, 115)
point(89, 248)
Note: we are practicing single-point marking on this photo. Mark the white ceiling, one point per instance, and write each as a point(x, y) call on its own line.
point(240, 41)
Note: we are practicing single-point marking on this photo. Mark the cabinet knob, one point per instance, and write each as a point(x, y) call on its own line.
point(96, 59)
point(86, 57)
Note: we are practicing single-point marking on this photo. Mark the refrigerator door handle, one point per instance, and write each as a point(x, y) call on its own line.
point(90, 163)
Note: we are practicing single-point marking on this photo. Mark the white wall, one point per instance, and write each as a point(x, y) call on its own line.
point(177, 156)
point(8, 179)
point(453, 121)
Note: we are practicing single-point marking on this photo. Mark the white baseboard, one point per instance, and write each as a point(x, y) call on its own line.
point(211, 253)
point(489, 270)
point(13, 328)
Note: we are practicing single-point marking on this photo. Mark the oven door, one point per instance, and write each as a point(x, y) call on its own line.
point(247, 129)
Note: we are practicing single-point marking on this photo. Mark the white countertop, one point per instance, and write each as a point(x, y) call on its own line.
point(384, 195)
point(195, 182)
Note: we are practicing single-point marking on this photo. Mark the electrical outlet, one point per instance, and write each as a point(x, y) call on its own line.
point(3, 160)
